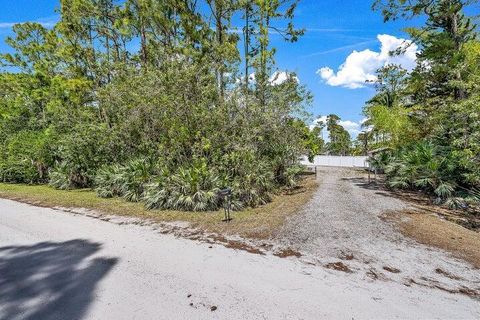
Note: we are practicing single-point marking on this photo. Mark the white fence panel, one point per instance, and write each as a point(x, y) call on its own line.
point(337, 161)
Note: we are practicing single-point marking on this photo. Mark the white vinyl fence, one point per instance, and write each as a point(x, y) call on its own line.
point(336, 161)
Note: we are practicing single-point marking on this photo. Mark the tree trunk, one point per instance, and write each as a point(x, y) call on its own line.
point(246, 45)
point(219, 29)
point(459, 93)
point(143, 44)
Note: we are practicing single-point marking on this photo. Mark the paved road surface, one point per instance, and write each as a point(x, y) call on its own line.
point(56, 265)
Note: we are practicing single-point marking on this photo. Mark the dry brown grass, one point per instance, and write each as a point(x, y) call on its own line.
point(258, 223)
point(469, 219)
point(263, 222)
point(454, 231)
point(431, 230)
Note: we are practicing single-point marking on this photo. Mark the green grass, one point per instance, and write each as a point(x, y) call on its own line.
point(259, 222)
point(43, 195)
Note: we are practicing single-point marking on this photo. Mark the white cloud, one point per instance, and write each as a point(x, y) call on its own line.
point(279, 77)
point(46, 22)
point(361, 66)
point(6, 25)
point(317, 121)
point(353, 127)
point(9, 25)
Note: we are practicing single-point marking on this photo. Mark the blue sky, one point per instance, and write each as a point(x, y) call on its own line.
point(334, 29)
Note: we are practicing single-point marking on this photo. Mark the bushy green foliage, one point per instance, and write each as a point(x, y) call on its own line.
point(189, 188)
point(60, 178)
point(458, 130)
point(430, 116)
point(292, 174)
point(433, 169)
point(127, 181)
point(193, 186)
point(169, 123)
point(313, 142)
point(107, 181)
point(25, 158)
point(422, 165)
point(380, 160)
point(447, 163)
point(392, 126)
point(80, 153)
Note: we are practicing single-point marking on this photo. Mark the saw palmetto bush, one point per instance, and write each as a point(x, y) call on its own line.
point(379, 161)
point(60, 178)
point(133, 178)
point(195, 188)
point(428, 167)
point(108, 181)
point(422, 165)
point(192, 188)
point(127, 181)
point(251, 178)
point(252, 190)
point(292, 175)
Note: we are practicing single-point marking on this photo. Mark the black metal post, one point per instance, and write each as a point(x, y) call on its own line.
point(226, 195)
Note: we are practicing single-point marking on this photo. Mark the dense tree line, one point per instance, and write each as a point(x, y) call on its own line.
point(154, 101)
point(167, 101)
point(339, 141)
point(429, 118)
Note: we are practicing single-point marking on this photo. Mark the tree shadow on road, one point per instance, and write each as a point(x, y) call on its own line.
point(50, 280)
point(414, 198)
point(363, 183)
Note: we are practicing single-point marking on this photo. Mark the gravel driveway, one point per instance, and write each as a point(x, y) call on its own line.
point(342, 223)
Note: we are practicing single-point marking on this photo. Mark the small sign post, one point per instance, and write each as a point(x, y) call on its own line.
point(226, 195)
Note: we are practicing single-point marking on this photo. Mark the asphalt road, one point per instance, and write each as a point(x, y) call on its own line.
point(56, 265)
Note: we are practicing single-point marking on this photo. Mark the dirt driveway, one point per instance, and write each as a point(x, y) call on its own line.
point(345, 227)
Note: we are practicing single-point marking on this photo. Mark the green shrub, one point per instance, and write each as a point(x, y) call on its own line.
point(82, 152)
point(19, 172)
point(127, 181)
point(133, 178)
point(60, 179)
point(192, 188)
point(379, 161)
point(252, 190)
point(433, 169)
point(252, 179)
point(292, 174)
point(108, 181)
point(25, 158)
